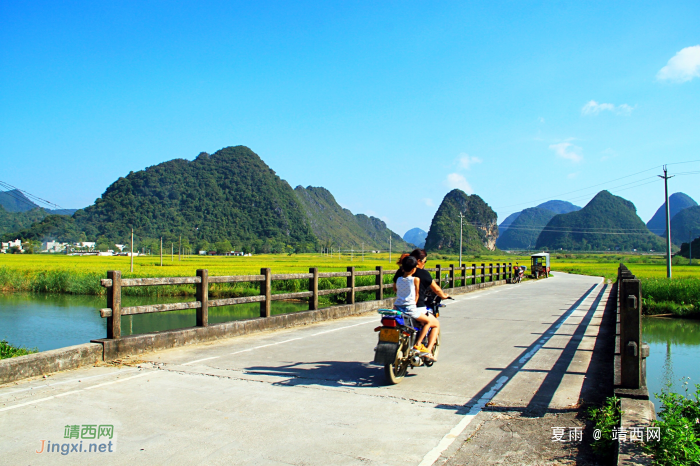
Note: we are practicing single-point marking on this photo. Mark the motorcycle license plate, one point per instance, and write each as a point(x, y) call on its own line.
point(389, 334)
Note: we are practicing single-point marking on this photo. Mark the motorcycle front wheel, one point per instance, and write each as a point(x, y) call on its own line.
point(395, 372)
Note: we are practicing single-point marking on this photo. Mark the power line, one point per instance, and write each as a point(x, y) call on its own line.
point(28, 195)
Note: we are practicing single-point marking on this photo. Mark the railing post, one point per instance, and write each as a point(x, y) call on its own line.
point(452, 275)
point(313, 287)
point(438, 274)
point(114, 302)
point(483, 273)
point(510, 271)
point(380, 281)
point(351, 284)
point(491, 272)
point(463, 272)
point(203, 297)
point(473, 274)
point(631, 353)
point(266, 290)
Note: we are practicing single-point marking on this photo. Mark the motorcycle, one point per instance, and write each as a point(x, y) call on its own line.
point(397, 337)
point(518, 274)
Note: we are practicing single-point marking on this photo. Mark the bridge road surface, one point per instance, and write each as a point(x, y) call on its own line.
point(310, 395)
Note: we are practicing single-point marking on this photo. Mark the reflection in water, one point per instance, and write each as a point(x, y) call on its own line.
point(50, 321)
point(674, 354)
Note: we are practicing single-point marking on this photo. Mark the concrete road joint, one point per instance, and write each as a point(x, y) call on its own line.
point(434, 455)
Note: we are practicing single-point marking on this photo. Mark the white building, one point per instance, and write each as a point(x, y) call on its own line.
point(120, 246)
point(11, 244)
point(86, 244)
point(53, 246)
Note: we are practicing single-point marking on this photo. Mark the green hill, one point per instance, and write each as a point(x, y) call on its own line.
point(231, 196)
point(336, 227)
point(676, 203)
point(607, 222)
point(480, 229)
point(11, 222)
point(684, 223)
point(525, 229)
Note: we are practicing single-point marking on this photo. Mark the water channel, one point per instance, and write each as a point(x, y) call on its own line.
point(50, 321)
point(674, 355)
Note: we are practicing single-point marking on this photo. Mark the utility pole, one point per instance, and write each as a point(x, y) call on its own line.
point(389, 246)
point(363, 252)
point(179, 250)
point(352, 253)
point(172, 252)
point(668, 224)
point(461, 219)
point(132, 250)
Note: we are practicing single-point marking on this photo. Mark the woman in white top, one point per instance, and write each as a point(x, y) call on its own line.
point(407, 289)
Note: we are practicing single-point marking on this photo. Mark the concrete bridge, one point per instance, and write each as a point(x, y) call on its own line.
point(515, 362)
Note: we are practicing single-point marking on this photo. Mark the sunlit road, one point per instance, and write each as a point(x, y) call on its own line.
point(310, 395)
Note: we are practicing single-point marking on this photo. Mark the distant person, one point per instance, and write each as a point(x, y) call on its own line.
point(425, 284)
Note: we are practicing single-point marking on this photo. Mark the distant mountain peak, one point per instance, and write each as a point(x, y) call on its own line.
point(676, 203)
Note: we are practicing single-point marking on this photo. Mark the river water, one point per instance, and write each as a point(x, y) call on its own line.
point(50, 321)
point(674, 355)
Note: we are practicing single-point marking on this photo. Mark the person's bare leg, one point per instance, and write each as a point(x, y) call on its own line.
point(435, 325)
point(424, 321)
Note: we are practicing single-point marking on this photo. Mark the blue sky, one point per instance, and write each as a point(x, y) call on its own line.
point(389, 105)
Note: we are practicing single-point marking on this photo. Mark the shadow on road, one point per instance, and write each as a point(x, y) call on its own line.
point(324, 373)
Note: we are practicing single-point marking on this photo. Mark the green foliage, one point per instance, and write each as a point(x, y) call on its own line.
point(686, 249)
point(479, 226)
point(605, 419)
point(677, 202)
point(13, 221)
point(231, 195)
point(525, 229)
point(52, 227)
point(684, 223)
point(582, 230)
point(9, 351)
point(339, 228)
point(680, 296)
point(679, 420)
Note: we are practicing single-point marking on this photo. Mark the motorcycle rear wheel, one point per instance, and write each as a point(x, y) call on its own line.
point(395, 372)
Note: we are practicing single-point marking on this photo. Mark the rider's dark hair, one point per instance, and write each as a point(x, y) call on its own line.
point(409, 263)
point(403, 256)
point(419, 254)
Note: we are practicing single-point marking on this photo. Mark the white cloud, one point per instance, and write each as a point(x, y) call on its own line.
point(684, 66)
point(465, 161)
point(540, 119)
point(427, 201)
point(457, 181)
point(594, 108)
point(567, 151)
point(571, 176)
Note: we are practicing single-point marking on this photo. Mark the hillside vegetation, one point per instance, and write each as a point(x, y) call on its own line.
point(525, 229)
point(336, 227)
point(685, 223)
point(479, 230)
point(676, 203)
point(607, 222)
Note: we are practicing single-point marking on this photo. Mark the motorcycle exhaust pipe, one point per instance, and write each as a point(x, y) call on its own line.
point(416, 360)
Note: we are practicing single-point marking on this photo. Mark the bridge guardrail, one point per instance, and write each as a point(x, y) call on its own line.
point(114, 284)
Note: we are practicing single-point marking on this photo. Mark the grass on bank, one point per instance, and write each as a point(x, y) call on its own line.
point(9, 351)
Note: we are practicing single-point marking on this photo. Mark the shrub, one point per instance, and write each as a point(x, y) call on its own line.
point(605, 419)
point(9, 351)
point(679, 420)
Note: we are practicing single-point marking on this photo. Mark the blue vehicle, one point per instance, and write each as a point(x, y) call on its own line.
point(397, 337)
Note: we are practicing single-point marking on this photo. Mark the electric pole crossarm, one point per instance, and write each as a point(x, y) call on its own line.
point(668, 223)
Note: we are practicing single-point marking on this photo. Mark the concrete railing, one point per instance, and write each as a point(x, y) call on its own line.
point(114, 283)
point(630, 367)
